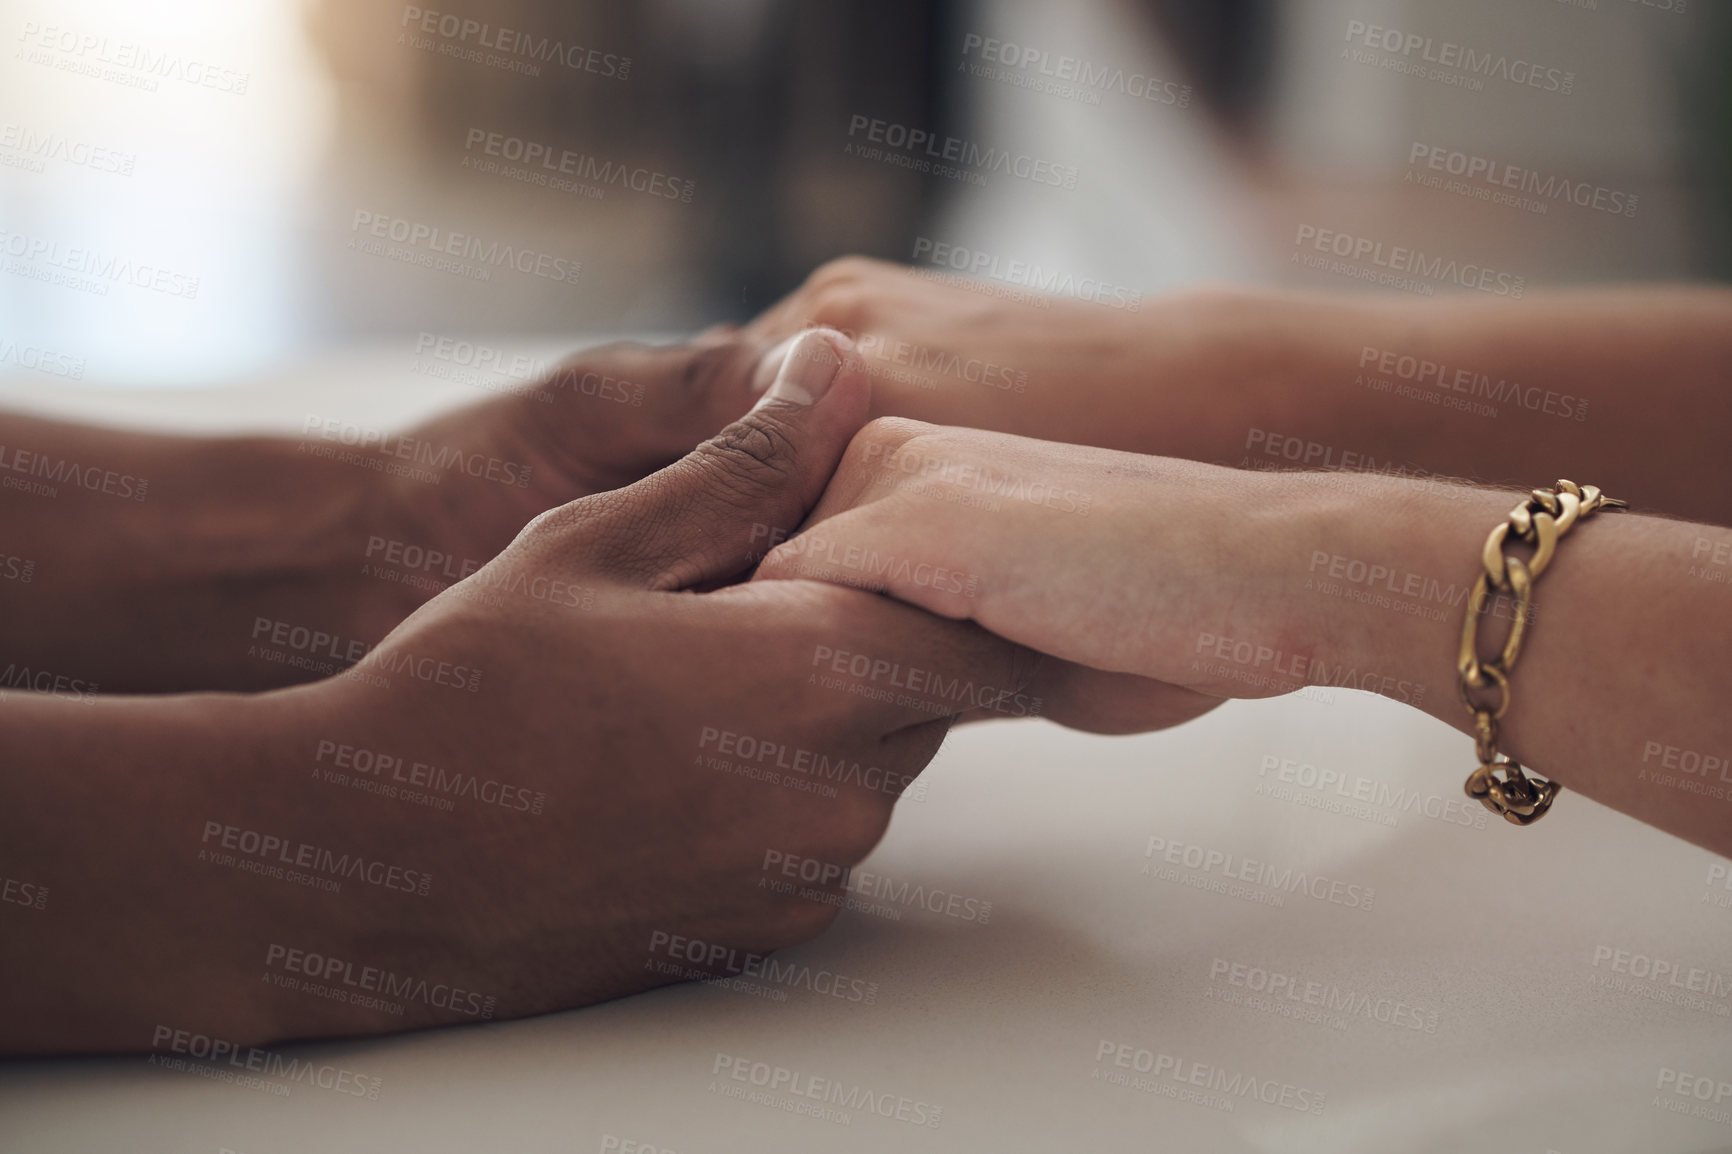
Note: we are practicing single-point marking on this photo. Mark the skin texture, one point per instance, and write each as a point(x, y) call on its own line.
point(166, 593)
point(1183, 583)
point(1246, 377)
point(579, 667)
point(602, 705)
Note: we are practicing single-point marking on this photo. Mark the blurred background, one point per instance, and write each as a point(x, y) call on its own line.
point(195, 192)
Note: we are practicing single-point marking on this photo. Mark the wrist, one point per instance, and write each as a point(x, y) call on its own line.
point(1379, 574)
point(1266, 379)
point(263, 767)
point(263, 568)
point(1195, 371)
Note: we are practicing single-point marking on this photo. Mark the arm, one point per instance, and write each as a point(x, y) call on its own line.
point(150, 558)
point(1194, 583)
point(1624, 666)
point(135, 562)
point(1626, 385)
point(562, 780)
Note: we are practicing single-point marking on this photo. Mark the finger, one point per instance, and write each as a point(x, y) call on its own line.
point(621, 411)
point(835, 294)
point(869, 469)
point(883, 546)
point(892, 770)
point(886, 666)
point(912, 749)
point(716, 333)
point(708, 515)
point(1096, 701)
point(899, 548)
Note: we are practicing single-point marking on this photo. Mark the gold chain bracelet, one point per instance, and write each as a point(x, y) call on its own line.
point(1539, 522)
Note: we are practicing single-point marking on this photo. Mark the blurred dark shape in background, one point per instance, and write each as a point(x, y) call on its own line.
point(752, 99)
point(1706, 80)
point(1227, 48)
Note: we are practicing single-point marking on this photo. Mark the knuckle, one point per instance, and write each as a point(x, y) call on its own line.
point(568, 372)
point(894, 430)
point(581, 533)
point(753, 454)
point(544, 525)
point(845, 309)
point(779, 560)
point(842, 270)
point(841, 294)
point(880, 441)
point(555, 527)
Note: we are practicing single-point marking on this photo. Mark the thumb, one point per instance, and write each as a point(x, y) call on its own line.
point(710, 515)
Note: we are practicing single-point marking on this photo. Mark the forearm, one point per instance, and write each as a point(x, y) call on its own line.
point(1238, 583)
point(1627, 386)
point(151, 560)
point(196, 862)
point(1630, 386)
point(1591, 384)
point(1619, 691)
point(102, 804)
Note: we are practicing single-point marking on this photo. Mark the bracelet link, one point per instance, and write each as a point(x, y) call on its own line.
point(1539, 522)
point(1517, 798)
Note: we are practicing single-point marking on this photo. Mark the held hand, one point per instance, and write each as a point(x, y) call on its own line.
point(1112, 563)
point(684, 742)
point(333, 537)
point(442, 499)
point(954, 350)
point(604, 418)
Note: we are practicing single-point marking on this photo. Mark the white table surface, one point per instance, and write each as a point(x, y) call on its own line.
point(1502, 933)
